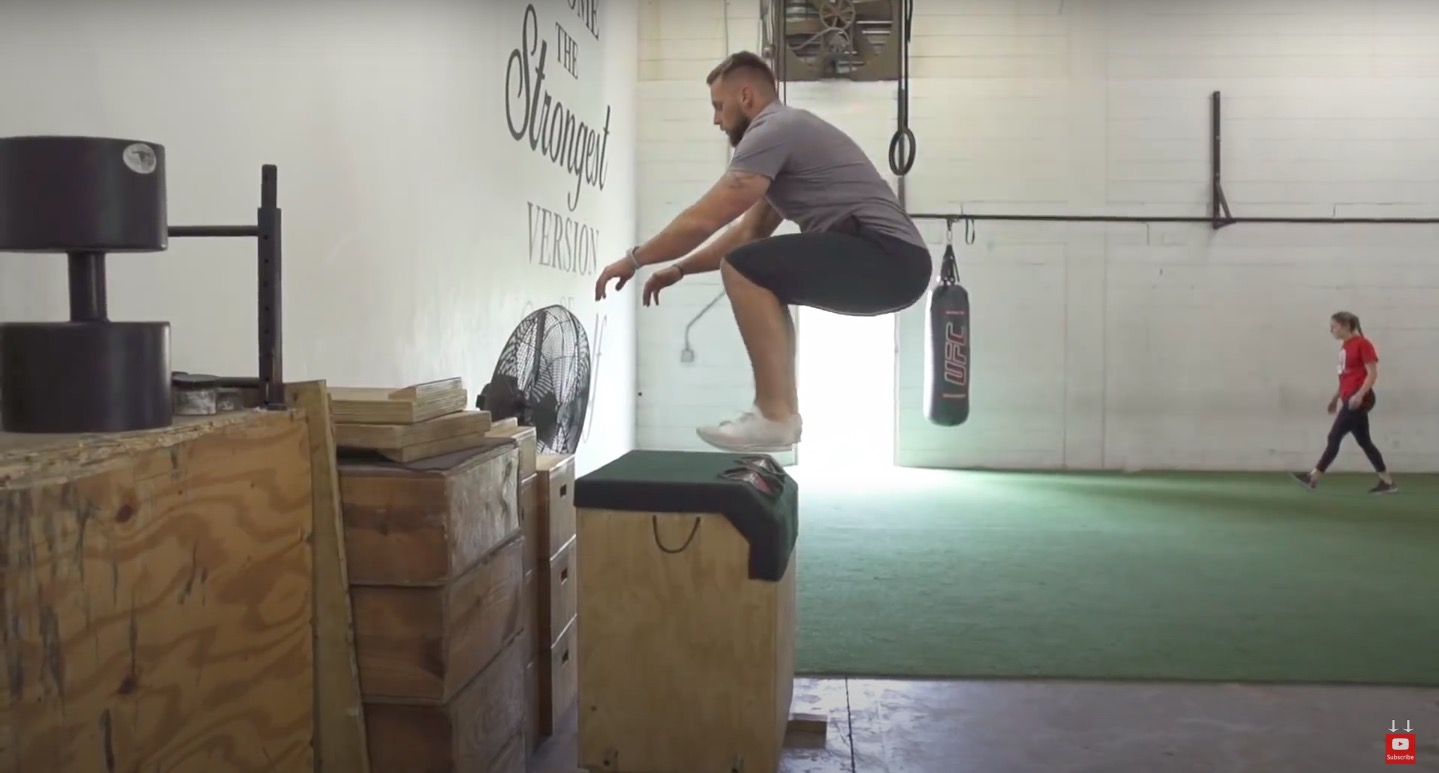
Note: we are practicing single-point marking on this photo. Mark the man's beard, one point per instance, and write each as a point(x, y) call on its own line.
point(737, 134)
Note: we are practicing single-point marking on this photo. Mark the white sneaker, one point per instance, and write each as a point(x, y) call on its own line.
point(751, 431)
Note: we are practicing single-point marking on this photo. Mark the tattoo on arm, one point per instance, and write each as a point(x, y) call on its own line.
point(737, 179)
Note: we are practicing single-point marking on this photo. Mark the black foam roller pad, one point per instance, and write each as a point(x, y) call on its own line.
point(82, 194)
point(85, 376)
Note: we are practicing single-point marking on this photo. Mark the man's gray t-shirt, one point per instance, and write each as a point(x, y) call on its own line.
point(820, 176)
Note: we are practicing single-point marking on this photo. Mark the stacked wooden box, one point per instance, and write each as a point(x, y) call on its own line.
point(548, 515)
point(436, 559)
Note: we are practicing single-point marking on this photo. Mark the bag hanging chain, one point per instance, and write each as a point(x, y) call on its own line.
point(949, 266)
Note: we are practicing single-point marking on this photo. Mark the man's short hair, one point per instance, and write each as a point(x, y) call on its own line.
point(740, 62)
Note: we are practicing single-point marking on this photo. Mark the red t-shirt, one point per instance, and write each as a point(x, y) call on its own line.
point(1357, 352)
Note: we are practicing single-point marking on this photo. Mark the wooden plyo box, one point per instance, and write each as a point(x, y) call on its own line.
point(686, 632)
point(548, 511)
point(479, 731)
point(436, 582)
point(428, 521)
point(157, 598)
point(555, 595)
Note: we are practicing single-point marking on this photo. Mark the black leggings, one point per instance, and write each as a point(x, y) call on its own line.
point(846, 273)
point(1352, 421)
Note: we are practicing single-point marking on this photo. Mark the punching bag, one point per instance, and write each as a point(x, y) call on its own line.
point(946, 356)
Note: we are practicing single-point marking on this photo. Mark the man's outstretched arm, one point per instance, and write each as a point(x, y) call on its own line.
point(736, 192)
point(759, 222)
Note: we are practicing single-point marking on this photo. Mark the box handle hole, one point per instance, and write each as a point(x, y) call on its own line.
point(564, 490)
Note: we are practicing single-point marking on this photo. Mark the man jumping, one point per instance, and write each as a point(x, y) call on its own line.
point(858, 253)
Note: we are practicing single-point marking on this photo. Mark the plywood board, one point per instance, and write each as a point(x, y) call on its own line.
point(29, 458)
point(157, 605)
point(378, 405)
point(339, 712)
point(389, 437)
point(669, 595)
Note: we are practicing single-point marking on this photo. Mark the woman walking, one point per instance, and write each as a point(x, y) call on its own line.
point(1352, 402)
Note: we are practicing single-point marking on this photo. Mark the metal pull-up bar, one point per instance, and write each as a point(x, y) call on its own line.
point(1219, 206)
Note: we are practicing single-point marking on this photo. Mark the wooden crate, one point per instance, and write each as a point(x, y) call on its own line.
point(524, 437)
point(559, 677)
point(157, 598)
point(438, 594)
point(685, 639)
point(427, 522)
point(436, 581)
point(530, 514)
point(424, 644)
point(551, 587)
point(555, 483)
point(480, 731)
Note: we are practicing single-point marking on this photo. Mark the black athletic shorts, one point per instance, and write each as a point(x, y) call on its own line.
point(851, 270)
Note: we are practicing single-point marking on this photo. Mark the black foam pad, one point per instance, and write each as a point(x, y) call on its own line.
point(762, 503)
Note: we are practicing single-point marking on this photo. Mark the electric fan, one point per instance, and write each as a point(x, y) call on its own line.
point(543, 379)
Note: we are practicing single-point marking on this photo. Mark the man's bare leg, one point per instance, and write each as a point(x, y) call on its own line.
point(768, 334)
point(767, 331)
point(793, 340)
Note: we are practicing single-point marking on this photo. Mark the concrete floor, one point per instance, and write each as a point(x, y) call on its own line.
point(886, 726)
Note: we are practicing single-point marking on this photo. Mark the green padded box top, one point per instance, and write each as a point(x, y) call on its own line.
point(694, 482)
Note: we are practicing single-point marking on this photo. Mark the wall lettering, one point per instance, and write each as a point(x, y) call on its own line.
point(553, 130)
point(563, 128)
point(561, 242)
point(596, 351)
point(569, 49)
point(589, 13)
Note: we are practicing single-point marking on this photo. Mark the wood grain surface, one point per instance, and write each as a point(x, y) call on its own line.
point(339, 708)
point(156, 601)
point(429, 521)
point(423, 644)
point(474, 733)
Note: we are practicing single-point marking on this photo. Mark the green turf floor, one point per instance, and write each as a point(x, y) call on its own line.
point(1244, 577)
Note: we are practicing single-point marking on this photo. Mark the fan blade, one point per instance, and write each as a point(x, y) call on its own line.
point(874, 10)
point(804, 27)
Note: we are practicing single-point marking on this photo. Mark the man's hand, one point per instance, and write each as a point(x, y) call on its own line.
point(621, 269)
point(659, 280)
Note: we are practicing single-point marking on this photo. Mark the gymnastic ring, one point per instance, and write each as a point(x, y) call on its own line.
point(900, 161)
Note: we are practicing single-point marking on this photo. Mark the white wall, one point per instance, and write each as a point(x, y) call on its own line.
point(417, 231)
point(1113, 346)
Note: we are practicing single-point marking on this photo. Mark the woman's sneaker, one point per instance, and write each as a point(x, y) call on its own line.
point(1384, 488)
point(1304, 480)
